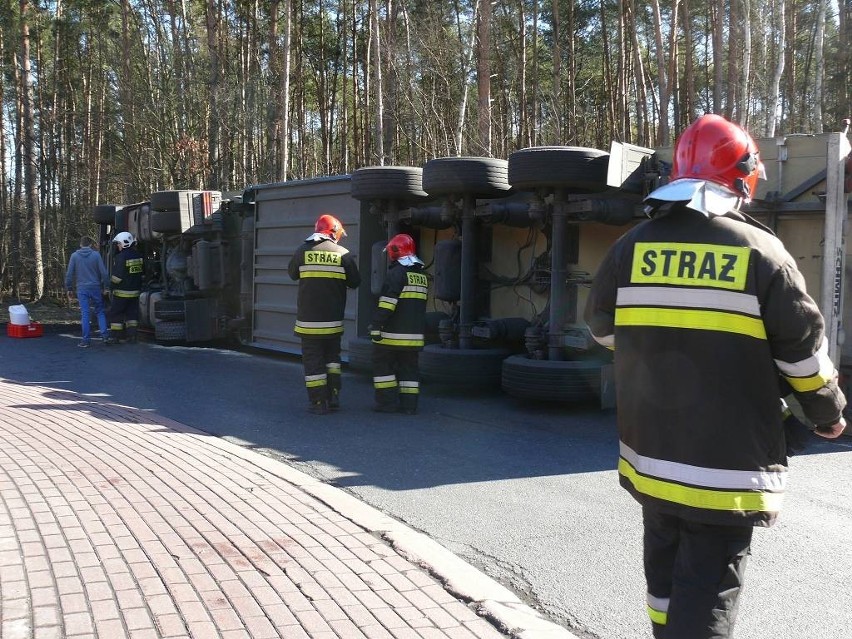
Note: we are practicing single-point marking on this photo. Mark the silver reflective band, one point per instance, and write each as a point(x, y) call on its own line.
point(707, 477)
point(688, 298)
point(816, 363)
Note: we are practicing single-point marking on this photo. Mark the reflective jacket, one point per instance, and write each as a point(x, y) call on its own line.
point(324, 270)
point(400, 316)
point(703, 314)
point(126, 276)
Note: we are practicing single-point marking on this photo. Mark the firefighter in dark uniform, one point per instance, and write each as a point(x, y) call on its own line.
point(126, 286)
point(704, 309)
point(397, 328)
point(324, 270)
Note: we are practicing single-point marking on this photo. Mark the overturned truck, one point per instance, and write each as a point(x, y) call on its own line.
point(511, 246)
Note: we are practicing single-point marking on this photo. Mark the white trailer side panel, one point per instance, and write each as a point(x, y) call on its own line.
point(285, 214)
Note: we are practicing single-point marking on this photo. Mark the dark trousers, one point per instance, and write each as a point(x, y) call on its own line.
point(321, 361)
point(694, 574)
point(396, 376)
point(123, 313)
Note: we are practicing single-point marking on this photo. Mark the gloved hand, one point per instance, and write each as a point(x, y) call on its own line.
point(797, 433)
point(375, 333)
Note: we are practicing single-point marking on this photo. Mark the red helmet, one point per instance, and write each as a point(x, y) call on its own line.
point(719, 151)
point(330, 226)
point(401, 245)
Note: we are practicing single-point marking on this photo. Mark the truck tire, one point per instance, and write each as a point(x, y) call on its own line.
point(104, 214)
point(572, 381)
point(172, 310)
point(578, 168)
point(165, 221)
point(481, 177)
point(466, 368)
point(166, 200)
point(360, 354)
point(388, 183)
point(169, 331)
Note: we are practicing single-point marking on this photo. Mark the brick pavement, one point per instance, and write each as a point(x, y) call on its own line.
point(116, 522)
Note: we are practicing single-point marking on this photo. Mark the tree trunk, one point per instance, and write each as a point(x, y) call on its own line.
point(642, 116)
point(375, 52)
point(779, 27)
point(5, 204)
point(687, 110)
point(571, 92)
point(29, 158)
point(733, 49)
point(666, 67)
point(483, 75)
point(819, 60)
point(556, 76)
point(214, 177)
point(718, 55)
point(522, 74)
point(465, 63)
point(744, 110)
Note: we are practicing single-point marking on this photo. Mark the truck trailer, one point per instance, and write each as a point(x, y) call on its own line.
point(510, 245)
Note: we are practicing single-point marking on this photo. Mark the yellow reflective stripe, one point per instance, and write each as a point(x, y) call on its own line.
point(333, 368)
point(658, 616)
point(797, 372)
point(115, 279)
point(385, 381)
point(313, 381)
point(734, 501)
point(698, 320)
point(807, 384)
point(326, 274)
point(412, 295)
point(126, 293)
point(688, 264)
point(408, 390)
point(386, 341)
point(318, 328)
point(318, 331)
point(389, 306)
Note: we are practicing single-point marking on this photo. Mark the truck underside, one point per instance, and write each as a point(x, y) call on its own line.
point(510, 247)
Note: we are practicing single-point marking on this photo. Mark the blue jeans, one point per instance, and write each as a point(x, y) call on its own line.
point(90, 298)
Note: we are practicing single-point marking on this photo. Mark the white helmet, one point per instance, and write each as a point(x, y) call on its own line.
point(125, 239)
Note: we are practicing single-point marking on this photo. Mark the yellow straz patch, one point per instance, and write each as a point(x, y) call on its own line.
point(709, 265)
point(323, 257)
point(134, 265)
point(417, 279)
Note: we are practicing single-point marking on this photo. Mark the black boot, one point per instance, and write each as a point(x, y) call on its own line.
point(319, 407)
point(334, 400)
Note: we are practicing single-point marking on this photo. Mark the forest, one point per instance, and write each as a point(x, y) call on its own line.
point(107, 101)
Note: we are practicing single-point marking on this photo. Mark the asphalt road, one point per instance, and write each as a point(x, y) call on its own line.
point(527, 493)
